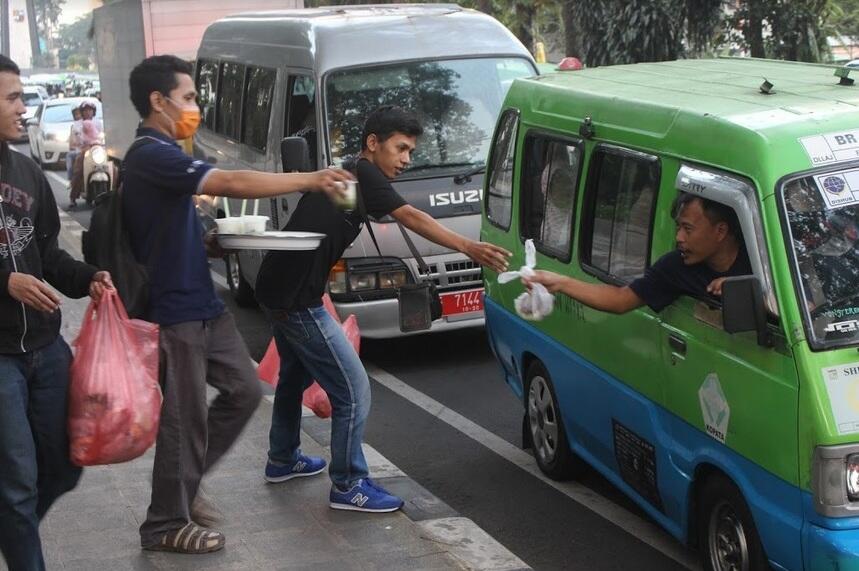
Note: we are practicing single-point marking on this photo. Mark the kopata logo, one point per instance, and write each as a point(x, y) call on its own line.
point(714, 407)
point(834, 184)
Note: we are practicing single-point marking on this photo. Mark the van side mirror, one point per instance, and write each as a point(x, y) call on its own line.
point(295, 154)
point(743, 308)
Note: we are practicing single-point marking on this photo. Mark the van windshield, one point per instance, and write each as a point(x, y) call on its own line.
point(822, 211)
point(457, 103)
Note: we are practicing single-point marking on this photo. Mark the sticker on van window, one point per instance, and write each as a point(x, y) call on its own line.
point(839, 189)
point(714, 407)
point(842, 384)
point(832, 148)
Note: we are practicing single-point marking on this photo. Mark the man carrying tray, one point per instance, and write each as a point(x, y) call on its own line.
point(311, 343)
point(199, 341)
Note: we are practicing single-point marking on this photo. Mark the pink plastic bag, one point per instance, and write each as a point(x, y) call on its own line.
point(114, 395)
point(314, 397)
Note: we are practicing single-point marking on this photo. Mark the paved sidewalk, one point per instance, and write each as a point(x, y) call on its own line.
point(268, 526)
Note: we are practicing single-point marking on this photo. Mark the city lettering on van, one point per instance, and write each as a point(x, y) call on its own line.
point(456, 197)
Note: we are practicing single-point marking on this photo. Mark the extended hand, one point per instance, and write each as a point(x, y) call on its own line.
point(488, 255)
point(715, 287)
point(32, 291)
point(100, 282)
point(552, 281)
point(330, 181)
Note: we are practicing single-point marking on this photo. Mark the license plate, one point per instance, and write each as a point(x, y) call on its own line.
point(462, 302)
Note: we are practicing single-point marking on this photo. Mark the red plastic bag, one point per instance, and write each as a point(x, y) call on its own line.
point(314, 397)
point(114, 395)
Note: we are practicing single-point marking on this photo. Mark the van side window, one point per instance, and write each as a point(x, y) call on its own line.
point(619, 212)
point(301, 112)
point(259, 91)
point(207, 89)
point(230, 82)
point(499, 199)
point(548, 196)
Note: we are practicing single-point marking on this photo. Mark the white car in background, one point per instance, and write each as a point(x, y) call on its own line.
point(33, 97)
point(49, 129)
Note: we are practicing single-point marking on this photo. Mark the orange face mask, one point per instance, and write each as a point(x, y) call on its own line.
point(187, 123)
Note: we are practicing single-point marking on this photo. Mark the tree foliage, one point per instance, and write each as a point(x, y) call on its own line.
point(74, 40)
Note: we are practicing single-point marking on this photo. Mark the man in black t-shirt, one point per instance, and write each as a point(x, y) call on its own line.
point(709, 249)
point(311, 343)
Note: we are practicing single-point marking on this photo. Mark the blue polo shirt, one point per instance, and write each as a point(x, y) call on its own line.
point(158, 181)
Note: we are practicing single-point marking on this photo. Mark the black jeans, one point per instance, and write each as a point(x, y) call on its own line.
point(193, 436)
point(35, 468)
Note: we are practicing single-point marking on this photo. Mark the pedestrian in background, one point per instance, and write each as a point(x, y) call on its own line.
point(35, 468)
point(200, 344)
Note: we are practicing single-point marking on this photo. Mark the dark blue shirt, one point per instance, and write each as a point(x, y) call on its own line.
point(159, 181)
point(669, 278)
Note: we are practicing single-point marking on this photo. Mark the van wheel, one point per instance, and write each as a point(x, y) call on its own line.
point(726, 531)
point(543, 416)
point(242, 291)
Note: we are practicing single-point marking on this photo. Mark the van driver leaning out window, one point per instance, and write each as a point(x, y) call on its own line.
point(709, 249)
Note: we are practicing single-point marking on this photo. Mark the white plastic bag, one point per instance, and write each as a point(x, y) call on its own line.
point(532, 305)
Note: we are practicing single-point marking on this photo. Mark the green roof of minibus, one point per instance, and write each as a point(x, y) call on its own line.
point(710, 110)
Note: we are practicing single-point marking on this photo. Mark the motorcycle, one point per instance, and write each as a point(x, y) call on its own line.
point(98, 173)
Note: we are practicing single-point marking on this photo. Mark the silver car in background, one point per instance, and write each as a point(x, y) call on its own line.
point(317, 74)
point(49, 129)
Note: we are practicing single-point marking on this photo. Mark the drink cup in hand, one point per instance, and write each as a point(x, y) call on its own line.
point(349, 199)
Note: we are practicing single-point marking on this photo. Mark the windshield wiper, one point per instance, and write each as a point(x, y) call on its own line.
point(465, 176)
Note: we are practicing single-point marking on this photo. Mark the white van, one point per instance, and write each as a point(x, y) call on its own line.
point(317, 73)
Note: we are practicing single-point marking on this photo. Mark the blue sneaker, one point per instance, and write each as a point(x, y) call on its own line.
point(304, 466)
point(365, 496)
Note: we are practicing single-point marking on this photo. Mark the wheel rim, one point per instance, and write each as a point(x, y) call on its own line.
point(233, 274)
point(729, 550)
point(543, 420)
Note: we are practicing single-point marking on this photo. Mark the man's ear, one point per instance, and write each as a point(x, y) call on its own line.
point(157, 101)
point(722, 231)
point(372, 142)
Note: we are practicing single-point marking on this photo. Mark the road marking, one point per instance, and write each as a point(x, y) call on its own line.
point(56, 177)
point(647, 532)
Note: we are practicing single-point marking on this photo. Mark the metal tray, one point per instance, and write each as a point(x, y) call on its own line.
point(271, 240)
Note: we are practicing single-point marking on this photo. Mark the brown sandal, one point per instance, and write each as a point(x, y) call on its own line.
point(191, 539)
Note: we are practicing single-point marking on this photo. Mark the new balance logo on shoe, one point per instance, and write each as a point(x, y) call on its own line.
point(359, 500)
point(299, 466)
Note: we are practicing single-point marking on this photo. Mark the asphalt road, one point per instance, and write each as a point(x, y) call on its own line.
point(546, 526)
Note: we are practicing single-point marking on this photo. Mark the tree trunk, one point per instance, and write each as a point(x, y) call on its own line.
point(35, 47)
point(525, 24)
point(754, 31)
point(573, 45)
point(485, 6)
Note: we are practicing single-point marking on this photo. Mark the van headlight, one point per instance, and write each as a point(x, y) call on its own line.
point(98, 155)
point(354, 278)
point(835, 480)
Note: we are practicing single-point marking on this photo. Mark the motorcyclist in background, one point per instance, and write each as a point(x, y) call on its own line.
point(92, 133)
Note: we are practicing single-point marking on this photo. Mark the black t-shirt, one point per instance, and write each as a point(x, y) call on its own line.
point(669, 278)
point(291, 280)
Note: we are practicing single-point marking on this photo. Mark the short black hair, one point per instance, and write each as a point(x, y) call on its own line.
point(390, 119)
point(8, 66)
point(715, 212)
point(156, 73)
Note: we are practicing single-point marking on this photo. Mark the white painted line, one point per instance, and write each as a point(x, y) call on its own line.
point(56, 177)
point(380, 467)
point(472, 546)
point(648, 532)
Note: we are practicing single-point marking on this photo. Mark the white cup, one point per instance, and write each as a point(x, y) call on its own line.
point(230, 225)
point(254, 224)
point(349, 200)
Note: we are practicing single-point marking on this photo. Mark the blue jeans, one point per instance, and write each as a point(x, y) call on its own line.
point(34, 448)
point(70, 162)
point(313, 346)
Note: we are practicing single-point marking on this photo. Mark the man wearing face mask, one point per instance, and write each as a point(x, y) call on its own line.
point(200, 344)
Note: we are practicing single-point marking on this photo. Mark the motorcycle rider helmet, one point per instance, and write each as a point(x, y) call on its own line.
point(87, 105)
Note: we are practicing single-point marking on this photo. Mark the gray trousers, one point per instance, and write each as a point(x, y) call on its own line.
point(192, 436)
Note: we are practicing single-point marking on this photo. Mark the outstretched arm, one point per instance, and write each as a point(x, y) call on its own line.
point(604, 297)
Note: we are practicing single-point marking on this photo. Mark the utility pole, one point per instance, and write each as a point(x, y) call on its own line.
point(35, 49)
point(4, 28)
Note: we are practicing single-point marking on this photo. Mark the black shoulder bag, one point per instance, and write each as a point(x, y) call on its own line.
point(419, 303)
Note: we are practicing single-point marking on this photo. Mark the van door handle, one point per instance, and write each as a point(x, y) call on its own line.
point(677, 344)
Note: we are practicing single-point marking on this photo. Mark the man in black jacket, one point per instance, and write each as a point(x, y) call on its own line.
point(34, 359)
